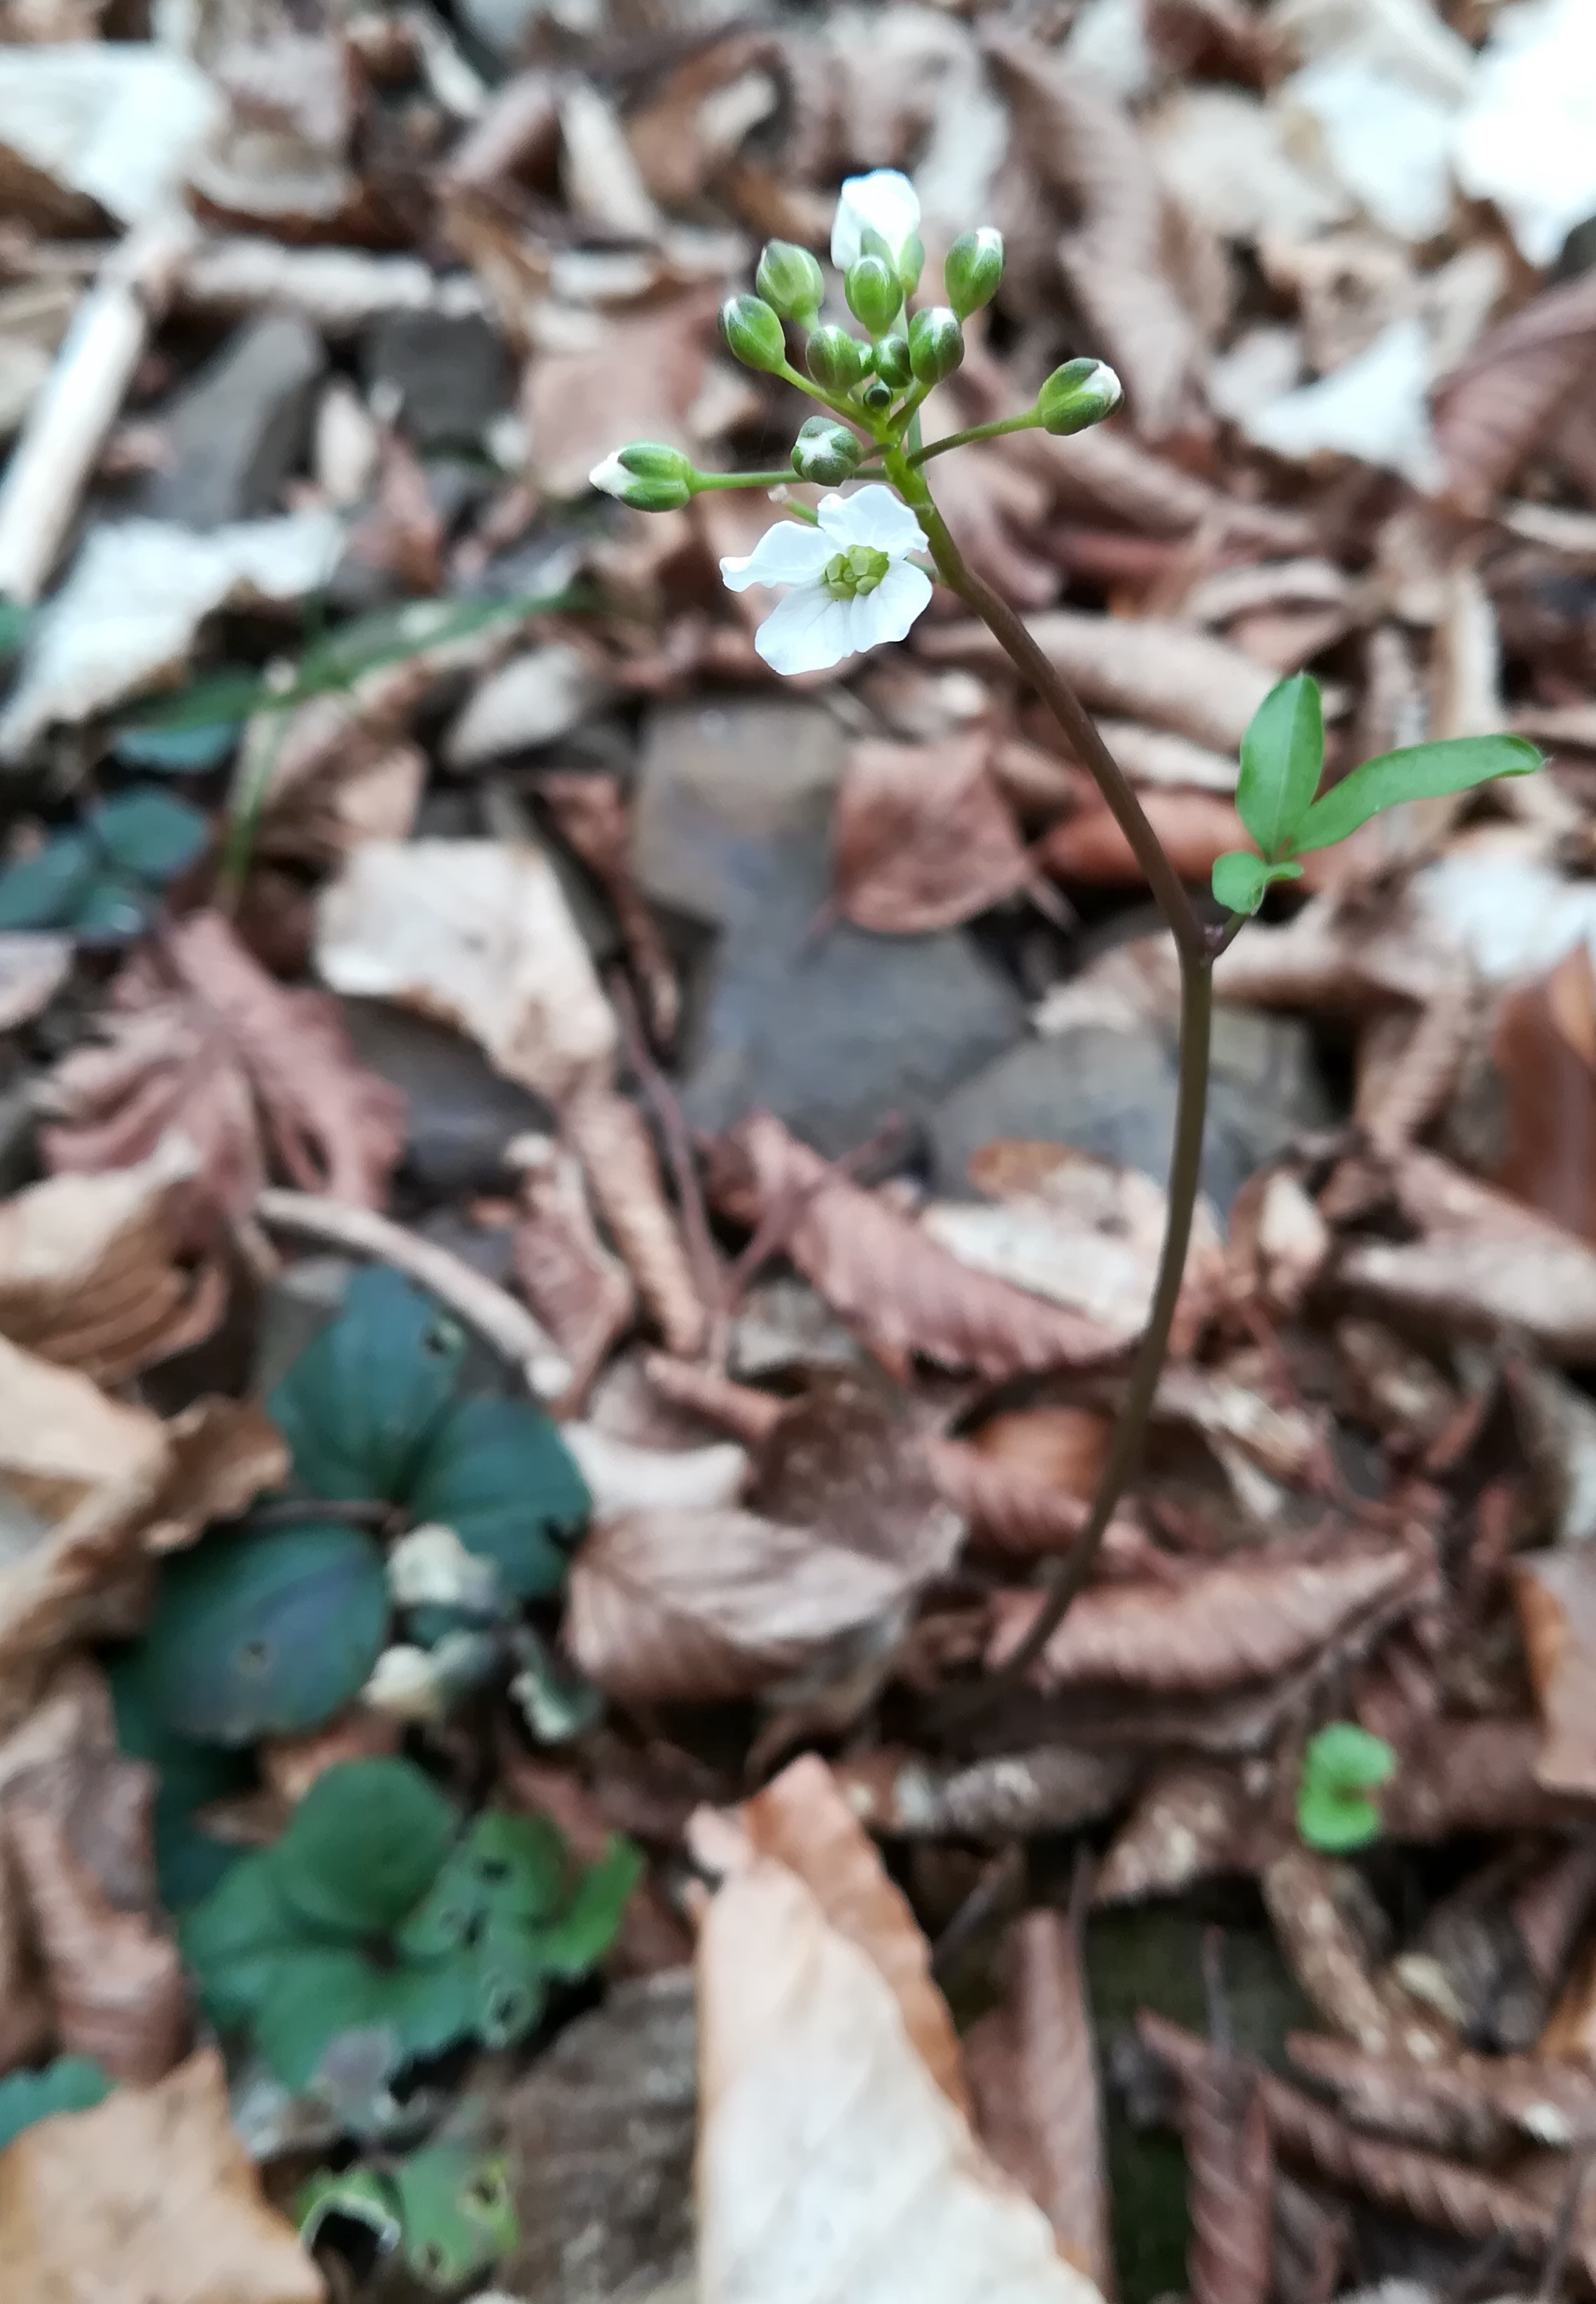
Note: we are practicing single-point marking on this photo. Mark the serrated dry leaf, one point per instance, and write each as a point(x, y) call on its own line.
point(1508, 394)
point(846, 1458)
point(1556, 1597)
point(1220, 1626)
point(881, 1274)
point(199, 1039)
point(1033, 2071)
point(1053, 1788)
point(1151, 669)
point(477, 934)
point(579, 1292)
point(150, 2194)
point(831, 2165)
point(921, 837)
point(1229, 2184)
point(1467, 2105)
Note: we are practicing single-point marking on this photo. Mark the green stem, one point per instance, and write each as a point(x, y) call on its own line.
point(994, 431)
point(1196, 949)
point(707, 482)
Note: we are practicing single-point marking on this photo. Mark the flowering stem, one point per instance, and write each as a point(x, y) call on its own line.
point(1196, 950)
point(993, 431)
point(705, 483)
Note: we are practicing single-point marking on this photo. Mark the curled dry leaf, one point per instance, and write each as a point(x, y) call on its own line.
point(589, 812)
point(1515, 1271)
point(1238, 1621)
point(150, 2194)
point(899, 1288)
point(1011, 1508)
point(846, 1457)
point(1192, 827)
point(1033, 2071)
point(1309, 1898)
point(1508, 394)
point(831, 2164)
point(199, 1039)
point(1229, 2183)
point(1053, 1789)
point(1471, 2106)
point(1543, 1048)
point(1190, 1821)
point(89, 1276)
point(611, 1138)
point(922, 837)
point(1471, 1775)
point(579, 1292)
point(477, 934)
point(1556, 1594)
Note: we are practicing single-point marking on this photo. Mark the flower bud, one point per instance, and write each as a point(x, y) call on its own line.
point(973, 270)
point(827, 452)
point(647, 476)
point(935, 344)
point(872, 293)
point(877, 396)
point(753, 333)
point(890, 356)
point(910, 264)
point(835, 358)
point(1082, 392)
point(789, 280)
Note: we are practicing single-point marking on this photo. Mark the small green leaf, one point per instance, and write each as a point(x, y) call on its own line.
point(112, 909)
point(44, 890)
point(1421, 772)
point(497, 1472)
point(71, 2084)
point(1239, 880)
point(1341, 1765)
point(457, 2213)
point(321, 1992)
point(361, 2194)
point(241, 1939)
point(359, 1404)
point(364, 1846)
point(1283, 755)
point(182, 751)
point(586, 1929)
point(265, 1635)
point(13, 627)
point(151, 833)
point(512, 1866)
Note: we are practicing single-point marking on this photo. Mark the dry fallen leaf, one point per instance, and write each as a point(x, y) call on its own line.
point(579, 1291)
point(1556, 1593)
point(1189, 1820)
point(922, 837)
point(1509, 392)
point(589, 813)
point(199, 1039)
point(610, 1138)
point(32, 971)
point(149, 2195)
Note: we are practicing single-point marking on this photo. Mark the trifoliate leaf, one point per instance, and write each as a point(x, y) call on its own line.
point(571, 1944)
point(1421, 772)
point(266, 1635)
point(188, 1862)
point(497, 1472)
point(456, 2212)
point(178, 752)
point(1282, 754)
point(71, 2084)
point(364, 1846)
point(44, 890)
point(149, 833)
point(358, 1406)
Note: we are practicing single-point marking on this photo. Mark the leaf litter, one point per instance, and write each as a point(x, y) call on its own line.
point(707, 1425)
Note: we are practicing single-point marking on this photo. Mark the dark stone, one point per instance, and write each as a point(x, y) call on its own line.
point(241, 427)
point(826, 1026)
point(460, 1113)
point(453, 375)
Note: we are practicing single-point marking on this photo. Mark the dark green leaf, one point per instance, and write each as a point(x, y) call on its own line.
point(456, 2212)
point(364, 1846)
point(44, 890)
point(241, 1939)
point(510, 1991)
point(313, 1997)
point(1239, 880)
point(266, 1635)
point(430, 2008)
point(188, 1863)
point(1421, 772)
point(111, 908)
point(177, 751)
point(151, 833)
point(586, 1929)
point(497, 1472)
point(359, 1405)
point(225, 699)
point(363, 2195)
point(1282, 754)
point(71, 2084)
point(13, 627)
point(512, 1866)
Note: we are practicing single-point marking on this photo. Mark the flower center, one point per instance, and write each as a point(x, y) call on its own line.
point(859, 569)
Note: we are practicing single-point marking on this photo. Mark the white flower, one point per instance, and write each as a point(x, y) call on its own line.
point(612, 475)
point(854, 585)
point(883, 201)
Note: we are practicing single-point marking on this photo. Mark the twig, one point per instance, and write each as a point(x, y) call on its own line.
point(679, 1148)
point(495, 1316)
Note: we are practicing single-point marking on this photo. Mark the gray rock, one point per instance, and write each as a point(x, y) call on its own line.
point(1111, 1093)
point(241, 427)
point(452, 374)
point(460, 1113)
point(826, 1026)
point(716, 782)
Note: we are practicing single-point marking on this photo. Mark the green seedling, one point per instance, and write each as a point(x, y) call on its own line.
point(447, 2208)
point(1341, 1767)
point(103, 882)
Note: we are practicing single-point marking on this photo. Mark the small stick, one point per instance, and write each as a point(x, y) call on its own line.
point(495, 1315)
point(678, 1144)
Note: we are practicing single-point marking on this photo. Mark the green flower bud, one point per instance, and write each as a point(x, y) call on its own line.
point(877, 396)
point(835, 358)
point(911, 263)
point(646, 475)
point(973, 270)
point(873, 295)
point(789, 280)
point(1082, 392)
point(935, 344)
point(753, 333)
point(827, 452)
point(890, 355)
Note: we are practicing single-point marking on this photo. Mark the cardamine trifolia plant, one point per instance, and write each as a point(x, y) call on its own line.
point(857, 569)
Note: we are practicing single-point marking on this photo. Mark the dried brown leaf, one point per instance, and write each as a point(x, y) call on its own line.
point(1189, 1821)
point(1507, 395)
point(1556, 1596)
point(1543, 1048)
point(846, 1458)
point(882, 1274)
point(1220, 1626)
point(200, 1040)
point(403, 533)
point(1468, 2105)
point(579, 1292)
point(1228, 2184)
point(1013, 1509)
point(1192, 827)
point(32, 971)
point(1032, 2071)
point(589, 812)
point(640, 379)
point(611, 1138)
point(921, 837)
point(150, 2194)
point(1312, 1903)
point(1053, 1788)
point(1471, 1775)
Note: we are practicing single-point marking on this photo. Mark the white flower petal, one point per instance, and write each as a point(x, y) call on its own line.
point(612, 475)
point(886, 613)
point(786, 554)
point(874, 516)
point(883, 201)
point(808, 631)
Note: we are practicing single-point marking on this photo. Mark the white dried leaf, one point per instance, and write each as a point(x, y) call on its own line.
point(1527, 137)
point(1375, 407)
point(531, 701)
point(119, 121)
point(622, 1477)
point(1386, 140)
point(1227, 158)
point(1494, 896)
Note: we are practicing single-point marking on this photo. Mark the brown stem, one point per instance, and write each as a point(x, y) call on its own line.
point(1196, 949)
